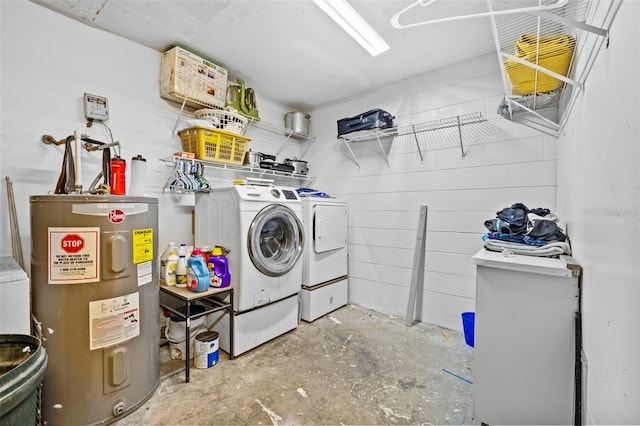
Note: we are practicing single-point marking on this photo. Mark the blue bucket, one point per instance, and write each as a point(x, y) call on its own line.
point(468, 323)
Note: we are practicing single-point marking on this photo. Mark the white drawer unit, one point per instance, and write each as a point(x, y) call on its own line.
point(320, 300)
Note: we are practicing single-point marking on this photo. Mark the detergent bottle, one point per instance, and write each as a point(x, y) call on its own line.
point(181, 271)
point(197, 272)
point(219, 268)
point(163, 260)
point(206, 253)
point(170, 267)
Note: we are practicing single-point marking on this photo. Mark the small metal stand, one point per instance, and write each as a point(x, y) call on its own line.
point(214, 299)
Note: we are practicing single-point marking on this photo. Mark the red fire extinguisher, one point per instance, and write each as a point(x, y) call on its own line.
point(118, 180)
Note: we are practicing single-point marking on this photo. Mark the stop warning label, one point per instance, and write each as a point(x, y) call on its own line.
point(72, 243)
point(74, 255)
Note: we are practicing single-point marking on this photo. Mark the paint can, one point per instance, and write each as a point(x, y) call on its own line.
point(206, 349)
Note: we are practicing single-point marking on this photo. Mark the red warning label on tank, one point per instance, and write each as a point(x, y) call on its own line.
point(74, 255)
point(113, 321)
point(72, 243)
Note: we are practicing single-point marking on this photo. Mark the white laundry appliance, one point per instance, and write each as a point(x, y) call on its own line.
point(262, 228)
point(325, 260)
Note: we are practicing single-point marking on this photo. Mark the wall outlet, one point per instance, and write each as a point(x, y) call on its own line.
point(96, 108)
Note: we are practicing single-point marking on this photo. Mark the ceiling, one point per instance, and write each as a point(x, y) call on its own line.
point(289, 50)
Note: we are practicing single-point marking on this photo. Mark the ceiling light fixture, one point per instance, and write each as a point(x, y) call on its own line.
point(350, 21)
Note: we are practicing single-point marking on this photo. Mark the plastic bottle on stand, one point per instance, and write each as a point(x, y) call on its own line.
point(138, 175)
point(163, 260)
point(219, 269)
point(197, 272)
point(206, 253)
point(181, 271)
point(171, 266)
point(185, 250)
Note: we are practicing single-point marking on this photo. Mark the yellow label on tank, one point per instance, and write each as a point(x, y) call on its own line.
point(142, 245)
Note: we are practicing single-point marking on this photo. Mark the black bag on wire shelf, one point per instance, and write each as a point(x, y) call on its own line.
point(372, 119)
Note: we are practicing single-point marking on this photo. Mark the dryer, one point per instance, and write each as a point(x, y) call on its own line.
point(262, 228)
point(325, 256)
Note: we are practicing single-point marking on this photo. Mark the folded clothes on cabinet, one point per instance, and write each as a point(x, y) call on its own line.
point(548, 250)
point(520, 230)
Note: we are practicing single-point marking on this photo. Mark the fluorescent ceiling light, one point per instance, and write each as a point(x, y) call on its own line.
point(350, 21)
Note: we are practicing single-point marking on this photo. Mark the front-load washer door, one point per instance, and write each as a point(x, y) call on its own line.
point(275, 240)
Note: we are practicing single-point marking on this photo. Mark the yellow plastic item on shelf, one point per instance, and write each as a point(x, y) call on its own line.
point(214, 145)
point(551, 52)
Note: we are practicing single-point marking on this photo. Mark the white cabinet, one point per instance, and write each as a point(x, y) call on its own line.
point(524, 353)
point(15, 309)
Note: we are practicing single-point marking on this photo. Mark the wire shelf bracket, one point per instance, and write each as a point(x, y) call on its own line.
point(282, 132)
point(539, 7)
point(446, 131)
point(545, 58)
point(364, 135)
point(235, 169)
point(546, 49)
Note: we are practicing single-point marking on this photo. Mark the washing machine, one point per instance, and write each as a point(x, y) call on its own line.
point(262, 228)
point(325, 261)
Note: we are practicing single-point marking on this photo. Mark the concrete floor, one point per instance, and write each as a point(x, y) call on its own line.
point(353, 366)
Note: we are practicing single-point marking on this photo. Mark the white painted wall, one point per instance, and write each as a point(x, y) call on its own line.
point(44, 78)
point(48, 63)
point(518, 165)
point(599, 193)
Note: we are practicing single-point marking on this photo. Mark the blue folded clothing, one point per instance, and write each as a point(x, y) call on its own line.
point(309, 192)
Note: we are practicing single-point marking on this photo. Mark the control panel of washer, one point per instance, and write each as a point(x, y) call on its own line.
point(263, 193)
point(289, 195)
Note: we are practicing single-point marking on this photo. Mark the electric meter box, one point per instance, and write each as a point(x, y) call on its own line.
point(185, 75)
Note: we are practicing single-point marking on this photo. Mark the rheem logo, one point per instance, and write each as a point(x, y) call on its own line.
point(116, 216)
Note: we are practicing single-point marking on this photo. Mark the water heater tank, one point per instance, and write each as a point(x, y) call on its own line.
point(95, 294)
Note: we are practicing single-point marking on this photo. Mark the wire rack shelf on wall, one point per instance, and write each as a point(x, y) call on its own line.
point(546, 49)
point(546, 56)
point(450, 132)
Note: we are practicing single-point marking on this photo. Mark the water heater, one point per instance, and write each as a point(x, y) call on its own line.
point(95, 296)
